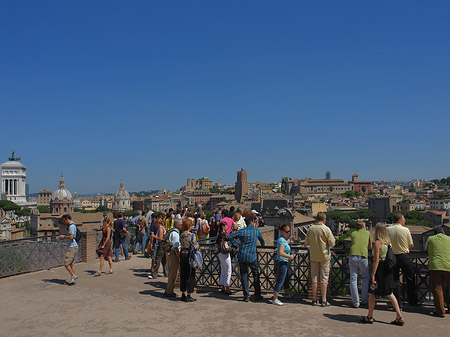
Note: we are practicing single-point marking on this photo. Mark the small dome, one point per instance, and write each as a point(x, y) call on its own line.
point(122, 193)
point(62, 192)
point(13, 165)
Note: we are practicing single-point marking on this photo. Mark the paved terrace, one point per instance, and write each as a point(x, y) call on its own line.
point(126, 303)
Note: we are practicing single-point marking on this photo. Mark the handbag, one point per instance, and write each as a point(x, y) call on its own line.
point(195, 256)
point(99, 251)
point(225, 245)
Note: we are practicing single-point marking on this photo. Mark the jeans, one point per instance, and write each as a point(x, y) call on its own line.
point(282, 270)
point(140, 244)
point(159, 255)
point(187, 274)
point(405, 264)
point(120, 241)
point(243, 267)
point(359, 265)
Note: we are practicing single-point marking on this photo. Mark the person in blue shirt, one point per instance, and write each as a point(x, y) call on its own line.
point(247, 257)
point(282, 263)
point(72, 249)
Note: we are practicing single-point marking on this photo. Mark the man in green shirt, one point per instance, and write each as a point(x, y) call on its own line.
point(438, 248)
point(359, 264)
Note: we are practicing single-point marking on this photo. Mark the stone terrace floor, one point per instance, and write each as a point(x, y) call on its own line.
point(126, 303)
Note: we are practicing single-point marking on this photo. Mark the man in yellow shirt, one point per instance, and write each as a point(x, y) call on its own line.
point(438, 248)
point(320, 239)
point(402, 242)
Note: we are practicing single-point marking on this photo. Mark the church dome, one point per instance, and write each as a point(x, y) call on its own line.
point(62, 193)
point(122, 193)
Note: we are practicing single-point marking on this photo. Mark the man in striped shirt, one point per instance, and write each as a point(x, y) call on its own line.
point(247, 257)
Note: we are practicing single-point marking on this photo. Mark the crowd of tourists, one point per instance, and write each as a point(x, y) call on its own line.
point(172, 239)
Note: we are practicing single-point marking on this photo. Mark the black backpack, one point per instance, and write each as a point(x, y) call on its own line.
point(77, 235)
point(390, 262)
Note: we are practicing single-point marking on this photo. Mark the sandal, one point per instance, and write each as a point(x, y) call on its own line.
point(398, 321)
point(367, 320)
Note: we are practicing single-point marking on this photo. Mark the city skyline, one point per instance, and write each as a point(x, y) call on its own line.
point(154, 93)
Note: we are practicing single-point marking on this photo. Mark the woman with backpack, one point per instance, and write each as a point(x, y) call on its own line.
point(224, 247)
point(187, 272)
point(282, 264)
point(104, 248)
point(382, 281)
point(203, 232)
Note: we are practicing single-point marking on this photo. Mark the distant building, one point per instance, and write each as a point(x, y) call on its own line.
point(363, 187)
point(381, 207)
point(122, 200)
point(241, 186)
point(45, 196)
point(13, 176)
point(439, 204)
point(204, 184)
point(76, 200)
point(62, 201)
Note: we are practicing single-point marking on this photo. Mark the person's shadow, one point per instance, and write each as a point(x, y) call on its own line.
point(56, 281)
point(344, 318)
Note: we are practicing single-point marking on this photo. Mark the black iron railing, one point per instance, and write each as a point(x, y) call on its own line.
point(32, 254)
point(339, 281)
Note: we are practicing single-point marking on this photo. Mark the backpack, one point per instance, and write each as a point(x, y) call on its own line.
point(390, 262)
point(204, 227)
point(139, 225)
point(165, 243)
point(77, 235)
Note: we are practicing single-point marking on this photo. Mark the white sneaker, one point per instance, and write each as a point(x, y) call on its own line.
point(277, 302)
point(150, 276)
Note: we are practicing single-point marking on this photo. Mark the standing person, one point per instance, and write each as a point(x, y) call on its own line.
point(213, 225)
point(228, 220)
point(282, 263)
point(156, 239)
point(438, 248)
point(359, 263)
point(381, 279)
point(169, 220)
point(187, 276)
point(72, 250)
point(224, 258)
point(402, 242)
point(320, 239)
point(247, 256)
point(141, 228)
point(173, 258)
point(105, 250)
point(120, 237)
point(238, 219)
point(204, 228)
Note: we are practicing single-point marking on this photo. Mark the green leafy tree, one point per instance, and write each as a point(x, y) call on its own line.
point(43, 209)
point(7, 205)
point(102, 209)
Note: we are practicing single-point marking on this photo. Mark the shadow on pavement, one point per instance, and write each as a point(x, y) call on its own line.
point(56, 281)
point(344, 318)
point(158, 294)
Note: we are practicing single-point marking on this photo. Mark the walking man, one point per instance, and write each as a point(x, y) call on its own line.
point(72, 249)
point(402, 242)
point(438, 247)
point(320, 239)
point(247, 256)
point(120, 237)
point(173, 257)
point(359, 264)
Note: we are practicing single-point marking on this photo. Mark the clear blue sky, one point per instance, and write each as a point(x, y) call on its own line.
point(154, 92)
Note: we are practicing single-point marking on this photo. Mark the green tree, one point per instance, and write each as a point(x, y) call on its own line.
point(102, 209)
point(43, 209)
point(7, 205)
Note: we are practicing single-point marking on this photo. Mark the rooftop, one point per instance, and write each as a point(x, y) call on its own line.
point(127, 303)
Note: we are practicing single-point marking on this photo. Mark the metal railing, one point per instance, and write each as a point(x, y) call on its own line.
point(33, 254)
point(339, 281)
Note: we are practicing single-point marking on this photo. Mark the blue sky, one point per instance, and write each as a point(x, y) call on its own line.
point(154, 92)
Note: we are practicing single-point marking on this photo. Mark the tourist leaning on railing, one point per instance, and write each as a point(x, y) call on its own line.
point(382, 280)
point(438, 247)
point(224, 246)
point(282, 264)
